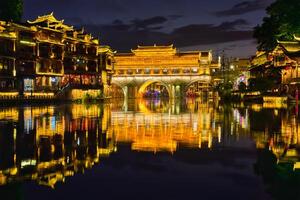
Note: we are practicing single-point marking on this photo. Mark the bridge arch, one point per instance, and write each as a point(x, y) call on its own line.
point(117, 89)
point(147, 83)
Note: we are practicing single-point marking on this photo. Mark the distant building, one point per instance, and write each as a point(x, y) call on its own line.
point(45, 56)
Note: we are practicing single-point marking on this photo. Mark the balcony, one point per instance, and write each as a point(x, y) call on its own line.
point(25, 67)
point(49, 67)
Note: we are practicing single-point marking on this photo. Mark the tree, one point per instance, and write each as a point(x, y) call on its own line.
point(282, 23)
point(11, 10)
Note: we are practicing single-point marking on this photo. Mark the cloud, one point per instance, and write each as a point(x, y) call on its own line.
point(125, 36)
point(202, 34)
point(149, 22)
point(244, 7)
point(175, 17)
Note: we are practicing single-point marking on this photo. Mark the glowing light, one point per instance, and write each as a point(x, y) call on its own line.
point(27, 43)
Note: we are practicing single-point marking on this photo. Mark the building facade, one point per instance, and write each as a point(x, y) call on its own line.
point(46, 56)
point(285, 58)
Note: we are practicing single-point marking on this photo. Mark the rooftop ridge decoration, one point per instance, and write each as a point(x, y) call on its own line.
point(52, 22)
point(297, 38)
point(290, 46)
point(154, 50)
point(155, 46)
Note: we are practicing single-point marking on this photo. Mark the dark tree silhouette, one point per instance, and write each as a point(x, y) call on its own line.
point(11, 10)
point(282, 23)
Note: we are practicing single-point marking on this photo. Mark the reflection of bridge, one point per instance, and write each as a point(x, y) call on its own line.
point(156, 126)
point(164, 65)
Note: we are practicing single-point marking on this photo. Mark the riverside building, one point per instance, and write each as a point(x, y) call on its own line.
point(46, 57)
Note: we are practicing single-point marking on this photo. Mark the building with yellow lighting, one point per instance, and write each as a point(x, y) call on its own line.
point(164, 66)
point(284, 58)
point(47, 56)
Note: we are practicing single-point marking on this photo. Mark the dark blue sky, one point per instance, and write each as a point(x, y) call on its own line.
point(189, 24)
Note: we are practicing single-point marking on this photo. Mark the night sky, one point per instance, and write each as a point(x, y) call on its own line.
point(188, 24)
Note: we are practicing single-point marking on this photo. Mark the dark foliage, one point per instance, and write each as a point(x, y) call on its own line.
point(11, 10)
point(282, 23)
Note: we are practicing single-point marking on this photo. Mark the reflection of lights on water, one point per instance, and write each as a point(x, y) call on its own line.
point(219, 134)
point(195, 126)
point(243, 121)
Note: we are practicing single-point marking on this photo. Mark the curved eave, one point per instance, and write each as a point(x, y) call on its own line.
point(287, 42)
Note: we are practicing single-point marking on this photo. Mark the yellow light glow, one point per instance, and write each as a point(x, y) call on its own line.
point(29, 43)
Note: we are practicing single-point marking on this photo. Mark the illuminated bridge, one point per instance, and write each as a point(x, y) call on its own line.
point(163, 69)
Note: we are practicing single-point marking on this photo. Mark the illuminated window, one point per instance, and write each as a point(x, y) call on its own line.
point(165, 71)
point(186, 71)
point(28, 84)
point(147, 71)
point(195, 70)
point(138, 71)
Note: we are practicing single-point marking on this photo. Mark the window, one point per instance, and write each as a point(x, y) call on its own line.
point(129, 71)
point(175, 71)
point(138, 71)
point(204, 54)
point(195, 70)
point(165, 71)
point(186, 71)
point(108, 61)
point(4, 64)
point(156, 71)
point(147, 71)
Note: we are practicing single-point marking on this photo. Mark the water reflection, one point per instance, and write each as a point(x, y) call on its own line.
point(165, 126)
point(47, 144)
point(51, 143)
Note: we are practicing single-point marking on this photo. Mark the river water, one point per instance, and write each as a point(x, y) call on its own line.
point(150, 149)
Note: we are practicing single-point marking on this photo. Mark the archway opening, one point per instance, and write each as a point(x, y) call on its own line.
point(197, 89)
point(116, 91)
point(154, 89)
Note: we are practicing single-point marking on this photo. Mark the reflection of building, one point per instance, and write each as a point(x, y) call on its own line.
point(49, 144)
point(281, 136)
point(46, 56)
